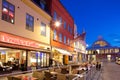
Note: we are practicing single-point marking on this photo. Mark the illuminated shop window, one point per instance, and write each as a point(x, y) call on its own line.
point(8, 12)
point(29, 22)
point(43, 29)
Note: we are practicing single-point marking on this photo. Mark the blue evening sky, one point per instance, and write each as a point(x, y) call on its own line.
point(97, 17)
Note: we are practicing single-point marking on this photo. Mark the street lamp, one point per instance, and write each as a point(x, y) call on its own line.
point(57, 23)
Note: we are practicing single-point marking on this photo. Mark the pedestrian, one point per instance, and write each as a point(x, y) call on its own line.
point(51, 62)
point(97, 64)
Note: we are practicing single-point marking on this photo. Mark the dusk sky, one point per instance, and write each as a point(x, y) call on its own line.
point(97, 17)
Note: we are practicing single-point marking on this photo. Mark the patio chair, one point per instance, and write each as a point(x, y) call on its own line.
point(61, 77)
point(9, 77)
point(14, 78)
point(74, 71)
point(39, 75)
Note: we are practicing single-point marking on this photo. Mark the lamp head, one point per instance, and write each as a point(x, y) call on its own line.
point(57, 23)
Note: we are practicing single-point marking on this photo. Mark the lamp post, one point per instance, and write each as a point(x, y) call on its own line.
point(55, 24)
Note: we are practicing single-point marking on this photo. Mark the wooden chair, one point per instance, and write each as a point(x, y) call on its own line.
point(74, 71)
point(14, 78)
point(58, 70)
point(51, 70)
point(39, 75)
point(61, 77)
point(9, 77)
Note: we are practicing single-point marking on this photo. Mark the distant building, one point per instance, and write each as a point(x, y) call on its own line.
point(79, 55)
point(101, 50)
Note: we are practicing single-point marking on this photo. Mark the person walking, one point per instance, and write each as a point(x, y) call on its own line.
point(97, 64)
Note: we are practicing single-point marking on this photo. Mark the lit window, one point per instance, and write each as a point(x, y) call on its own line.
point(29, 22)
point(116, 50)
point(64, 39)
point(54, 35)
point(8, 11)
point(43, 29)
point(55, 16)
point(60, 37)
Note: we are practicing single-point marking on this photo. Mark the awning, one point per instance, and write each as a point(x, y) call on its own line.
point(64, 52)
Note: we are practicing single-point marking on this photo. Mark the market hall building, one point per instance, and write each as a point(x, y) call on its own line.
point(101, 50)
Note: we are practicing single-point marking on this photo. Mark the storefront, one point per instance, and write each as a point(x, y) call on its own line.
point(61, 56)
point(21, 53)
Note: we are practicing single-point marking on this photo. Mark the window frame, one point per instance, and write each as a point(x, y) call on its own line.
point(43, 33)
point(9, 10)
point(55, 35)
point(28, 27)
point(60, 37)
point(54, 15)
point(65, 38)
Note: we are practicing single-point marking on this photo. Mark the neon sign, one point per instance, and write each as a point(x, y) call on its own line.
point(18, 41)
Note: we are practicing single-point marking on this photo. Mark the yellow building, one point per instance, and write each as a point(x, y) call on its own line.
point(24, 34)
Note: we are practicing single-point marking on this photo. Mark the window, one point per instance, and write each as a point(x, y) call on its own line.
point(29, 22)
point(71, 30)
point(42, 4)
point(64, 25)
point(68, 41)
point(55, 16)
point(43, 29)
point(64, 39)
point(70, 58)
point(60, 19)
point(54, 35)
point(60, 37)
point(8, 12)
point(68, 28)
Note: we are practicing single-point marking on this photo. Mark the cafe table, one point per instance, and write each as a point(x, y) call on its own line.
point(26, 77)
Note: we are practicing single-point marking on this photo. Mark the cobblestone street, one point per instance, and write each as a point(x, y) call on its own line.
point(110, 71)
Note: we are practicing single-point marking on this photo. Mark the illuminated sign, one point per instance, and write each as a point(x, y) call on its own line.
point(18, 41)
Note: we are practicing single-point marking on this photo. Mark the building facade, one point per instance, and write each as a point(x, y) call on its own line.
point(79, 47)
point(24, 35)
point(101, 50)
point(61, 36)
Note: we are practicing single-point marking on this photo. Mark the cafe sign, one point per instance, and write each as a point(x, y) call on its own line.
point(7, 38)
